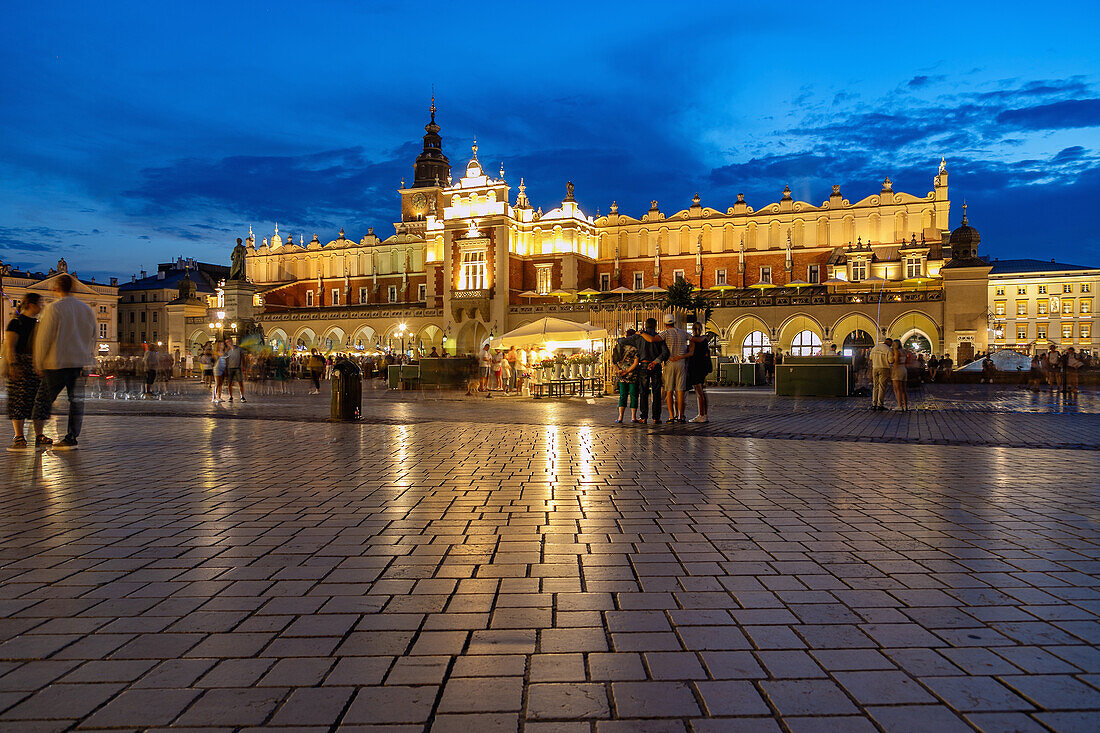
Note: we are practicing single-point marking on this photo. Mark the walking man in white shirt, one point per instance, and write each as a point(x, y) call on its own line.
point(63, 346)
point(880, 372)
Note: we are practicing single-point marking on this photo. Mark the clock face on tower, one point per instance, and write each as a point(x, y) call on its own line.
point(419, 201)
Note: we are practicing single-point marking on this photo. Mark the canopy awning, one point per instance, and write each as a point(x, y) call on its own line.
point(549, 329)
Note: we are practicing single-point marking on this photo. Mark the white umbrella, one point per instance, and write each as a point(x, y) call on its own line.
point(589, 291)
point(550, 329)
point(653, 289)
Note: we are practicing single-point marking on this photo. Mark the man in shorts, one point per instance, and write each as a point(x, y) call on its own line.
point(234, 369)
point(680, 347)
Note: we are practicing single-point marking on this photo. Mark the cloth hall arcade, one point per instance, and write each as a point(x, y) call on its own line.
point(471, 257)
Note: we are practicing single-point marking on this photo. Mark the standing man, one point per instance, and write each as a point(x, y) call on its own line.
point(485, 362)
point(1054, 368)
point(652, 353)
point(63, 345)
point(880, 373)
point(234, 368)
point(680, 347)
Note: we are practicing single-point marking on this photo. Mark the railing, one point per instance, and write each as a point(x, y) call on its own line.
point(471, 294)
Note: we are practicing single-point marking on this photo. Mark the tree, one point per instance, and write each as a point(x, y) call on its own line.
point(681, 295)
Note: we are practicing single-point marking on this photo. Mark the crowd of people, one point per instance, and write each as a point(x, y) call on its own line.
point(651, 366)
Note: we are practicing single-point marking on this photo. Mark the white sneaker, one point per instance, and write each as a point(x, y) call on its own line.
point(699, 418)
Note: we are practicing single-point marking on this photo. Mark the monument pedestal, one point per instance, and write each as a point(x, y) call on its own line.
point(239, 305)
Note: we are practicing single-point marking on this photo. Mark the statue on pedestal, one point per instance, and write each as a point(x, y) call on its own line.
point(237, 269)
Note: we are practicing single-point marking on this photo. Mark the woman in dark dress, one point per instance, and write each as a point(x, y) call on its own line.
point(22, 378)
point(699, 367)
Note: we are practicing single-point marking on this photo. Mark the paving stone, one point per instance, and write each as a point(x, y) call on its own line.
point(731, 698)
point(807, 697)
point(653, 699)
point(142, 709)
point(967, 694)
point(882, 688)
point(382, 705)
point(917, 719)
point(481, 694)
point(566, 701)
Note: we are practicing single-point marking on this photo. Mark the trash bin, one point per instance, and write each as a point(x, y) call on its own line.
point(347, 391)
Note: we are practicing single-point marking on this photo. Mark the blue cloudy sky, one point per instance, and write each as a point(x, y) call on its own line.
point(133, 132)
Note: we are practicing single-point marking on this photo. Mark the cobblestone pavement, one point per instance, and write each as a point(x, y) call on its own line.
point(455, 565)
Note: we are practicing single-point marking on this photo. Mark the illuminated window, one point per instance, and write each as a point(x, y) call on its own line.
point(309, 299)
point(677, 275)
point(1067, 288)
point(1067, 306)
point(1041, 330)
point(1021, 333)
point(1086, 288)
point(335, 296)
point(1042, 290)
point(639, 280)
point(1086, 331)
point(543, 278)
point(393, 293)
point(753, 344)
point(605, 281)
point(913, 269)
point(813, 274)
point(806, 343)
point(1000, 290)
point(1067, 330)
point(103, 330)
point(1021, 290)
point(1086, 305)
point(422, 292)
point(472, 275)
point(766, 275)
point(1021, 307)
point(999, 308)
point(719, 277)
point(1042, 307)
point(362, 295)
point(859, 270)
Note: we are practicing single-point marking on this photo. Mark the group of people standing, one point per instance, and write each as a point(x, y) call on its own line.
point(889, 360)
point(649, 365)
point(45, 351)
point(1059, 370)
point(506, 370)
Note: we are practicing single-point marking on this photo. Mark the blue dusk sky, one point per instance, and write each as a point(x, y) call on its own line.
point(133, 132)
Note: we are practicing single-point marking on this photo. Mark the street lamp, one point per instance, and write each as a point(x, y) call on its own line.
point(401, 331)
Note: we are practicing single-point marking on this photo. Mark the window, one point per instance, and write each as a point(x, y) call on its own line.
point(677, 275)
point(309, 299)
point(102, 309)
point(753, 344)
point(999, 308)
point(1000, 290)
point(362, 295)
point(103, 330)
point(1021, 307)
point(1042, 307)
point(1086, 288)
point(859, 270)
point(472, 276)
point(605, 281)
point(335, 296)
point(1021, 290)
point(143, 316)
point(142, 337)
point(806, 343)
point(153, 298)
point(913, 269)
point(639, 280)
point(1042, 290)
point(1067, 288)
point(543, 279)
point(422, 292)
point(1086, 331)
point(1021, 333)
point(719, 277)
point(813, 274)
point(766, 275)
point(143, 300)
point(154, 335)
point(154, 316)
point(131, 337)
point(1067, 306)
point(131, 319)
point(393, 293)
point(1041, 332)
point(1067, 331)
point(1086, 305)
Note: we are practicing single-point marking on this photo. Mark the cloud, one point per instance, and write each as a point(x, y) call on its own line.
point(1065, 115)
point(37, 238)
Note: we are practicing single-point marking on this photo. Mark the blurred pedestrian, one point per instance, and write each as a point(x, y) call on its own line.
point(22, 378)
point(63, 346)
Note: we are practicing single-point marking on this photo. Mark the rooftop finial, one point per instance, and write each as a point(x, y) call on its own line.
point(502, 170)
point(474, 148)
point(276, 227)
point(964, 221)
point(433, 103)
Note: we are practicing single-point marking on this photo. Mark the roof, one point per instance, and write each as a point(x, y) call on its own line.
point(1014, 267)
point(170, 281)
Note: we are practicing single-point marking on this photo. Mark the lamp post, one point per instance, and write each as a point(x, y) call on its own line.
point(401, 331)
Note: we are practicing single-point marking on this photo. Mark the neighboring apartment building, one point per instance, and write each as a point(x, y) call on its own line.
point(103, 300)
point(143, 302)
point(1034, 303)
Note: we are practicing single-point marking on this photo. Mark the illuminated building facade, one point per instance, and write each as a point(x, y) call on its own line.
point(470, 258)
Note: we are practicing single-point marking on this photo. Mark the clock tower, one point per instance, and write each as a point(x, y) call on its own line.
point(431, 173)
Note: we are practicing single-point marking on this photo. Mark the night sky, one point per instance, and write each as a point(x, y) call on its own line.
point(135, 132)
